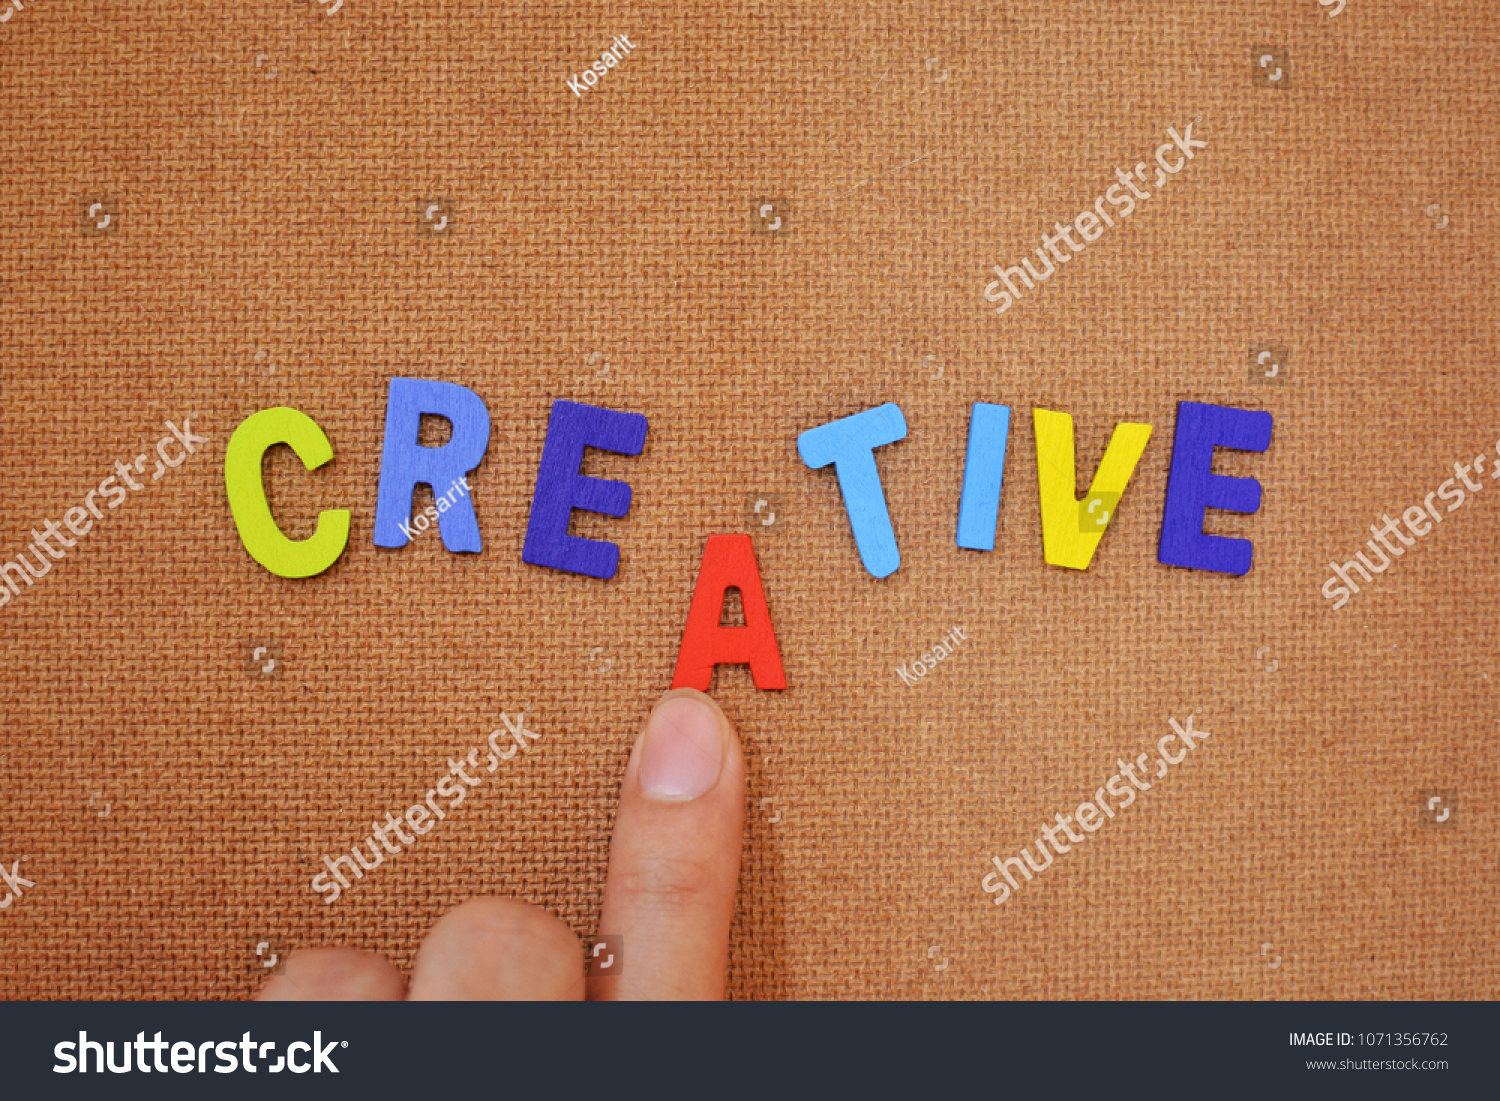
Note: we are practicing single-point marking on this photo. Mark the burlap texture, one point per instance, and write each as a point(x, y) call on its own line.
point(270, 166)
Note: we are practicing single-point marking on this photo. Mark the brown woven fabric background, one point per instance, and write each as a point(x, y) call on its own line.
point(268, 161)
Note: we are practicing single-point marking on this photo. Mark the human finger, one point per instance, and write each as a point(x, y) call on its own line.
point(498, 949)
point(674, 859)
point(335, 975)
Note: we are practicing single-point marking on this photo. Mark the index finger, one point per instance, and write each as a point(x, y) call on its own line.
point(674, 860)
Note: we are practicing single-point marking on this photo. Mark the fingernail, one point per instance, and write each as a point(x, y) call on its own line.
point(682, 750)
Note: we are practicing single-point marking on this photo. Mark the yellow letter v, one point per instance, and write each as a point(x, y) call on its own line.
point(1071, 529)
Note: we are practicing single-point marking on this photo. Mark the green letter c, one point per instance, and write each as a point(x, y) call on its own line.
point(247, 493)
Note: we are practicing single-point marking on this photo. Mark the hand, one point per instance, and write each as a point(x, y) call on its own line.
point(674, 865)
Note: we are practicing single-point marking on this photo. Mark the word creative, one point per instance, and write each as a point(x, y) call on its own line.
point(1071, 528)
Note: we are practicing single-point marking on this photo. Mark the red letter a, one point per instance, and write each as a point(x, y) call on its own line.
point(728, 561)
